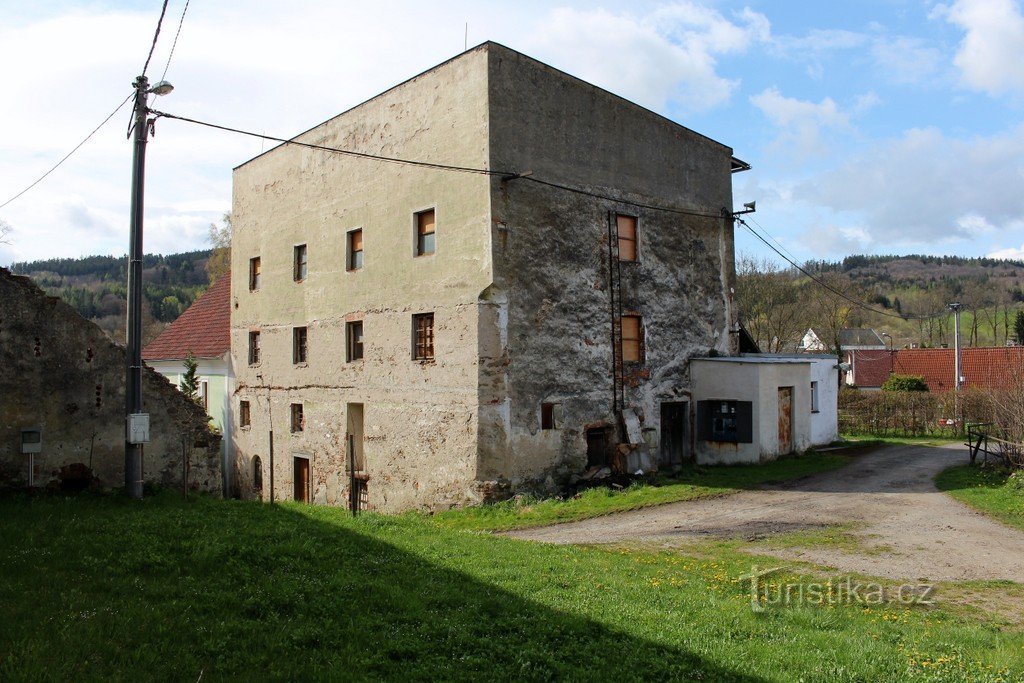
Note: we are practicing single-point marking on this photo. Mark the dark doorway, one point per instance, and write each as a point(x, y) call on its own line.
point(301, 479)
point(785, 420)
point(597, 447)
point(675, 416)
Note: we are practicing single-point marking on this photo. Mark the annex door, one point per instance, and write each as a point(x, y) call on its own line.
point(301, 493)
point(674, 419)
point(785, 420)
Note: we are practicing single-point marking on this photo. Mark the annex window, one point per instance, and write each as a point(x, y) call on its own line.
point(298, 422)
point(301, 261)
point(254, 347)
point(814, 397)
point(550, 415)
point(729, 421)
point(257, 473)
point(354, 340)
point(255, 268)
point(425, 243)
point(244, 416)
point(423, 336)
point(299, 346)
point(632, 330)
point(355, 250)
point(626, 231)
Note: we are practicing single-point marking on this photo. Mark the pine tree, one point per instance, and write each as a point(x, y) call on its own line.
point(1018, 327)
point(189, 383)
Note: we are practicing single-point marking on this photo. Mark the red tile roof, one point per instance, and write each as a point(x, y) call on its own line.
point(204, 328)
point(987, 367)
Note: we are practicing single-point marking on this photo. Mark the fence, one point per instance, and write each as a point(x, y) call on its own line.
point(982, 439)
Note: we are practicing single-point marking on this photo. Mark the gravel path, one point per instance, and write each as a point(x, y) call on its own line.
point(906, 528)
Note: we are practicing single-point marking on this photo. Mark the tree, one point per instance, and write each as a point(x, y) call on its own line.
point(1018, 327)
point(189, 383)
point(905, 383)
point(219, 262)
point(768, 299)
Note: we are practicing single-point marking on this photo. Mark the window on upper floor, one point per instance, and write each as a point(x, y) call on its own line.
point(627, 235)
point(354, 259)
point(254, 273)
point(244, 416)
point(354, 340)
point(632, 330)
point(299, 348)
point(425, 242)
point(301, 260)
point(298, 419)
point(423, 336)
point(254, 347)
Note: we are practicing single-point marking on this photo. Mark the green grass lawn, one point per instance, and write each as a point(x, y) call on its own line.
point(104, 588)
point(993, 491)
point(691, 484)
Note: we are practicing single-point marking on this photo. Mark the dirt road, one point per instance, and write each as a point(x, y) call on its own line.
point(904, 527)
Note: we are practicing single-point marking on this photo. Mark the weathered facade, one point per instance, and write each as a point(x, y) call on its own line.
point(562, 305)
point(64, 379)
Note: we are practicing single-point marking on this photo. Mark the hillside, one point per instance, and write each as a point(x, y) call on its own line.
point(97, 287)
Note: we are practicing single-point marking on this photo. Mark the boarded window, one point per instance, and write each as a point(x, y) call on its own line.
point(425, 232)
point(255, 268)
point(550, 415)
point(354, 335)
point(728, 421)
point(355, 250)
point(632, 339)
point(626, 230)
point(298, 422)
point(244, 417)
point(254, 347)
point(301, 262)
point(423, 336)
point(299, 347)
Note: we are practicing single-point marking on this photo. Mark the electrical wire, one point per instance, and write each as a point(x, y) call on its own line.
point(68, 155)
point(156, 35)
point(175, 43)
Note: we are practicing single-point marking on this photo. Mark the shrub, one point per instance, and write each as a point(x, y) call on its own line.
point(905, 383)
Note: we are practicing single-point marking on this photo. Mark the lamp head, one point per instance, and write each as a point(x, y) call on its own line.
point(161, 88)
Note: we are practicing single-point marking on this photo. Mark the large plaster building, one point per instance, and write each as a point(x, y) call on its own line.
point(521, 310)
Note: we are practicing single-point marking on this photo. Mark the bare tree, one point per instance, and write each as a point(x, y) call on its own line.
point(769, 303)
point(219, 262)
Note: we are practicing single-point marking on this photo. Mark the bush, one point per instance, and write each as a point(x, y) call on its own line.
point(905, 383)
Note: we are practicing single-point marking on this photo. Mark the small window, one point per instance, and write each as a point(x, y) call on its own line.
point(725, 420)
point(814, 397)
point(354, 340)
point(550, 415)
point(355, 250)
point(423, 336)
point(257, 473)
point(204, 394)
point(626, 231)
point(299, 348)
point(632, 339)
point(254, 347)
point(244, 417)
point(425, 232)
point(254, 273)
point(301, 261)
point(298, 419)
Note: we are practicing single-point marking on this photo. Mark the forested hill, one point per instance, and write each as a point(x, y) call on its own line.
point(97, 287)
point(921, 270)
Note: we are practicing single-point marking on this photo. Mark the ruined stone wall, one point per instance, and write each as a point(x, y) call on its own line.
point(546, 324)
point(60, 373)
point(419, 440)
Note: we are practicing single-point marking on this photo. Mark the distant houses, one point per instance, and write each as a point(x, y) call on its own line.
point(984, 368)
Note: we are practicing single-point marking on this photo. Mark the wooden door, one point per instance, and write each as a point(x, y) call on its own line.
point(785, 420)
point(674, 418)
point(302, 480)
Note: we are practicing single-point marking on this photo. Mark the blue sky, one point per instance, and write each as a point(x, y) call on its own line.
point(878, 126)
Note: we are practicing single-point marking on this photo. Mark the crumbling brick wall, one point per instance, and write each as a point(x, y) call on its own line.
point(61, 374)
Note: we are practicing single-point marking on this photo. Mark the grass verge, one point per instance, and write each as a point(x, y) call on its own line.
point(996, 492)
point(171, 590)
point(693, 483)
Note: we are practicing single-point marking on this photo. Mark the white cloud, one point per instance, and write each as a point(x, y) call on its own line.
point(800, 123)
point(905, 59)
point(992, 51)
point(831, 241)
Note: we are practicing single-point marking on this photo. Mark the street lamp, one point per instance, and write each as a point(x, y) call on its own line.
point(137, 422)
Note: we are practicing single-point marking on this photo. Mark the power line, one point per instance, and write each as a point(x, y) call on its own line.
point(156, 35)
point(68, 155)
point(641, 205)
point(175, 43)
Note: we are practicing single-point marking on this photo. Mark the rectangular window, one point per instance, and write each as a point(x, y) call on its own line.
point(354, 337)
point(301, 260)
point(632, 339)
point(423, 336)
point(814, 397)
point(254, 273)
point(626, 231)
point(298, 419)
point(355, 250)
point(254, 347)
point(425, 232)
point(725, 420)
point(244, 418)
point(204, 394)
point(299, 345)
point(550, 415)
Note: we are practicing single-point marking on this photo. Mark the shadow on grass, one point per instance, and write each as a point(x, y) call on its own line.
point(104, 588)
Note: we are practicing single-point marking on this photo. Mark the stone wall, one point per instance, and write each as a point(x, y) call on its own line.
point(61, 374)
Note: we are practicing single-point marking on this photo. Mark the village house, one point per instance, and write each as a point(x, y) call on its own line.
point(518, 311)
point(995, 367)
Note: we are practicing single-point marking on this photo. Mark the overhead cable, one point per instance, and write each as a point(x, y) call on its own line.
point(175, 43)
point(156, 35)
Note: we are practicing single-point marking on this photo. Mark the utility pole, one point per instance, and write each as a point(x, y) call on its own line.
point(956, 307)
point(137, 422)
